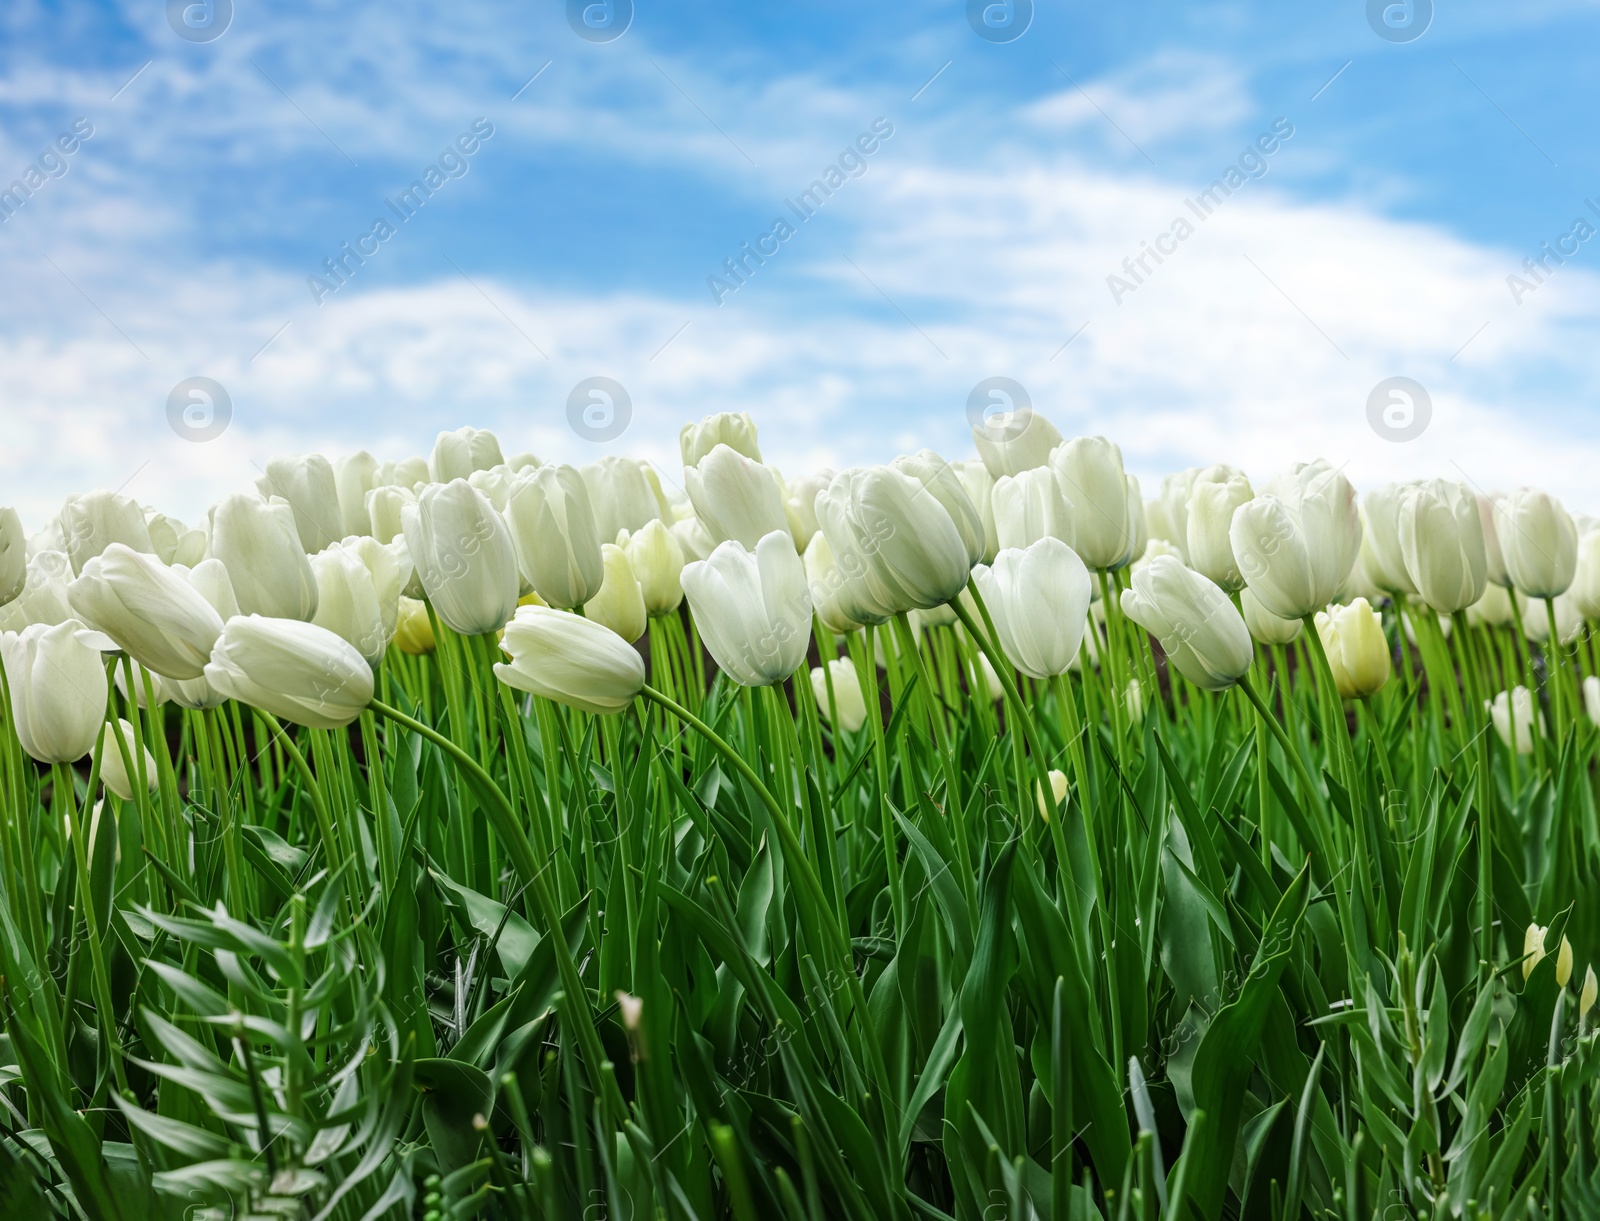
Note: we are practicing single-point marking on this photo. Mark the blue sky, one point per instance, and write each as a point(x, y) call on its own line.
point(977, 241)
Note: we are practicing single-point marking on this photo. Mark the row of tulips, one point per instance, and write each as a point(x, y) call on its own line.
point(979, 836)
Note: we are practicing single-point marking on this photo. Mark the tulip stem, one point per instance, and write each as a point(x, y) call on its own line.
point(1552, 654)
point(867, 675)
point(1313, 793)
point(319, 807)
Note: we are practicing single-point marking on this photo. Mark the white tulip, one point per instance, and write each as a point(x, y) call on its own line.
point(800, 506)
point(13, 556)
point(553, 527)
point(44, 593)
point(58, 690)
point(620, 494)
point(1015, 441)
point(296, 671)
point(1518, 712)
point(735, 429)
point(1539, 541)
point(1030, 506)
point(306, 482)
point(153, 612)
point(735, 496)
point(1585, 588)
point(1094, 481)
point(1441, 542)
point(1209, 514)
point(619, 604)
point(752, 608)
point(464, 557)
point(348, 604)
point(1200, 630)
point(570, 659)
point(114, 772)
point(894, 540)
point(1266, 627)
point(457, 454)
point(847, 697)
point(383, 511)
point(657, 561)
point(1295, 547)
point(1039, 602)
point(260, 545)
point(1358, 651)
point(694, 539)
point(354, 477)
point(92, 522)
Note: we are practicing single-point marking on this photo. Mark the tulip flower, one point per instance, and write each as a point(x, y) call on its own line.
point(735, 429)
point(495, 484)
point(1090, 469)
point(1586, 997)
point(657, 561)
point(350, 603)
point(1133, 701)
point(847, 698)
point(557, 541)
point(894, 540)
point(1200, 630)
point(619, 604)
point(1168, 511)
point(1030, 506)
point(1058, 793)
point(44, 593)
point(1493, 609)
point(58, 690)
point(800, 506)
point(1591, 698)
point(1539, 541)
point(572, 660)
point(991, 681)
point(1536, 619)
point(152, 612)
point(306, 482)
point(752, 608)
point(383, 510)
point(457, 454)
point(1360, 583)
point(1380, 543)
point(92, 522)
point(1441, 542)
point(260, 546)
point(150, 690)
point(1039, 601)
point(620, 495)
point(354, 477)
point(1209, 514)
point(114, 772)
point(1533, 952)
point(413, 633)
point(1138, 532)
point(1264, 626)
point(941, 480)
point(735, 497)
point(693, 538)
point(1358, 651)
point(978, 484)
point(405, 474)
point(1015, 441)
point(1295, 547)
point(173, 542)
point(464, 557)
point(1515, 715)
point(297, 671)
point(1495, 557)
point(1584, 591)
point(1157, 547)
point(831, 595)
point(13, 556)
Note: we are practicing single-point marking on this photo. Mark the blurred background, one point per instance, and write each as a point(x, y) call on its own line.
point(214, 247)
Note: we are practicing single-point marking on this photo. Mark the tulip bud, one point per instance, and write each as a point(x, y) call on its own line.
point(1138, 533)
point(553, 527)
point(735, 429)
point(1210, 515)
point(1198, 627)
point(1495, 557)
point(1591, 698)
point(260, 546)
point(1591, 989)
point(991, 681)
point(1015, 441)
point(1441, 542)
point(13, 556)
point(1093, 480)
point(1564, 963)
point(413, 633)
point(306, 482)
point(1030, 506)
point(570, 659)
point(1039, 601)
point(58, 690)
point(1516, 714)
point(735, 496)
point(407, 473)
point(1134, 702)
point(1296, 548)
point(978, 484)
point(1168, 513)
point(172, 541)
point(44, 593)
point(1539, 541)
point(457, 454)
point(464, 557)
point(847, 697)
point(1536, 619)
point(350, 603)
point(1584, 592)
point(831, 595)
point(620, 495)
point(354, 477)
point(1266, 627)
point(619, 604)
point(114, 772)
point(1493, 609)
point(296, 671)
point(152, 612)
point(800, 506)
point(1358, 651)
point(1380, 543)
point(1155, 547)
point(657, 561)
point(1058, 793)
point(694, 539)
point(940, 479)
point(752, 608)
point(92, 522)
point(1534, 951)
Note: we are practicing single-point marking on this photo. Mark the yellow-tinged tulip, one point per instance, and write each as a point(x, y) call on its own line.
point(847, 697)
point(570, 659)
point(413, 633)
point(619, 604)
point(114, 772)
point(1591, 989)
point(1358, 651)
point(1534, 951)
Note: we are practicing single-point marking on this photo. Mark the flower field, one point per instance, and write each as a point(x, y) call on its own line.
point(469, 837)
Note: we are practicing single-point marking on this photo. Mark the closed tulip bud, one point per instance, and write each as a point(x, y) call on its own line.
point(1591, 698)
point(114, 772)
point(1539, 541)
point(1380, 543)
point(992, 685)
point(296, 671)
point(1358, 651)
point(1493, 609)
point(1591, 989)
point(570, 659)
point(383, 511)
point(457, 454)
point(1210, 516)
point(1015, 441)
point(464, 557)
point(657, 561)
point(1200, 630)
point(13, 556)
point(1134, 700)
point(1491, 541)
point(831, 594)
point(693, 538)
point(752, 608)
point(92, 522)
point(44, 593)
point(557, 541)
point(736, 497)
point(978, 483)
point(495, 484)
point(941, 480)
point(894, 540)
point(407, 473)
point(800, 506)
point(1441, 541)
point(1296, 547)
point(58, 690)
point(1532, 948)
point(1264, 626)
point(306, 481)
point(168, 535)
point(1584, 592)
point(348, 602)
point(260, 546)
point(735, 429)
point(1039, 602)
point(620, 495)
point(413, 633)
point(1168, 513)
point(1058, 793)
point(152, 612)
point(1093, 479)
point(619, 604)
point(1138, 533)
point(354, 477)
point(1030, 506)
point(846, 698)
point(1513, 719)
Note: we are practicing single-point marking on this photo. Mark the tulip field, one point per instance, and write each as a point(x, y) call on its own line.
point(466, 837)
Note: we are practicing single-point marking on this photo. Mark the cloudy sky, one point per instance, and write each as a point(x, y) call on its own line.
point(977, 240)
